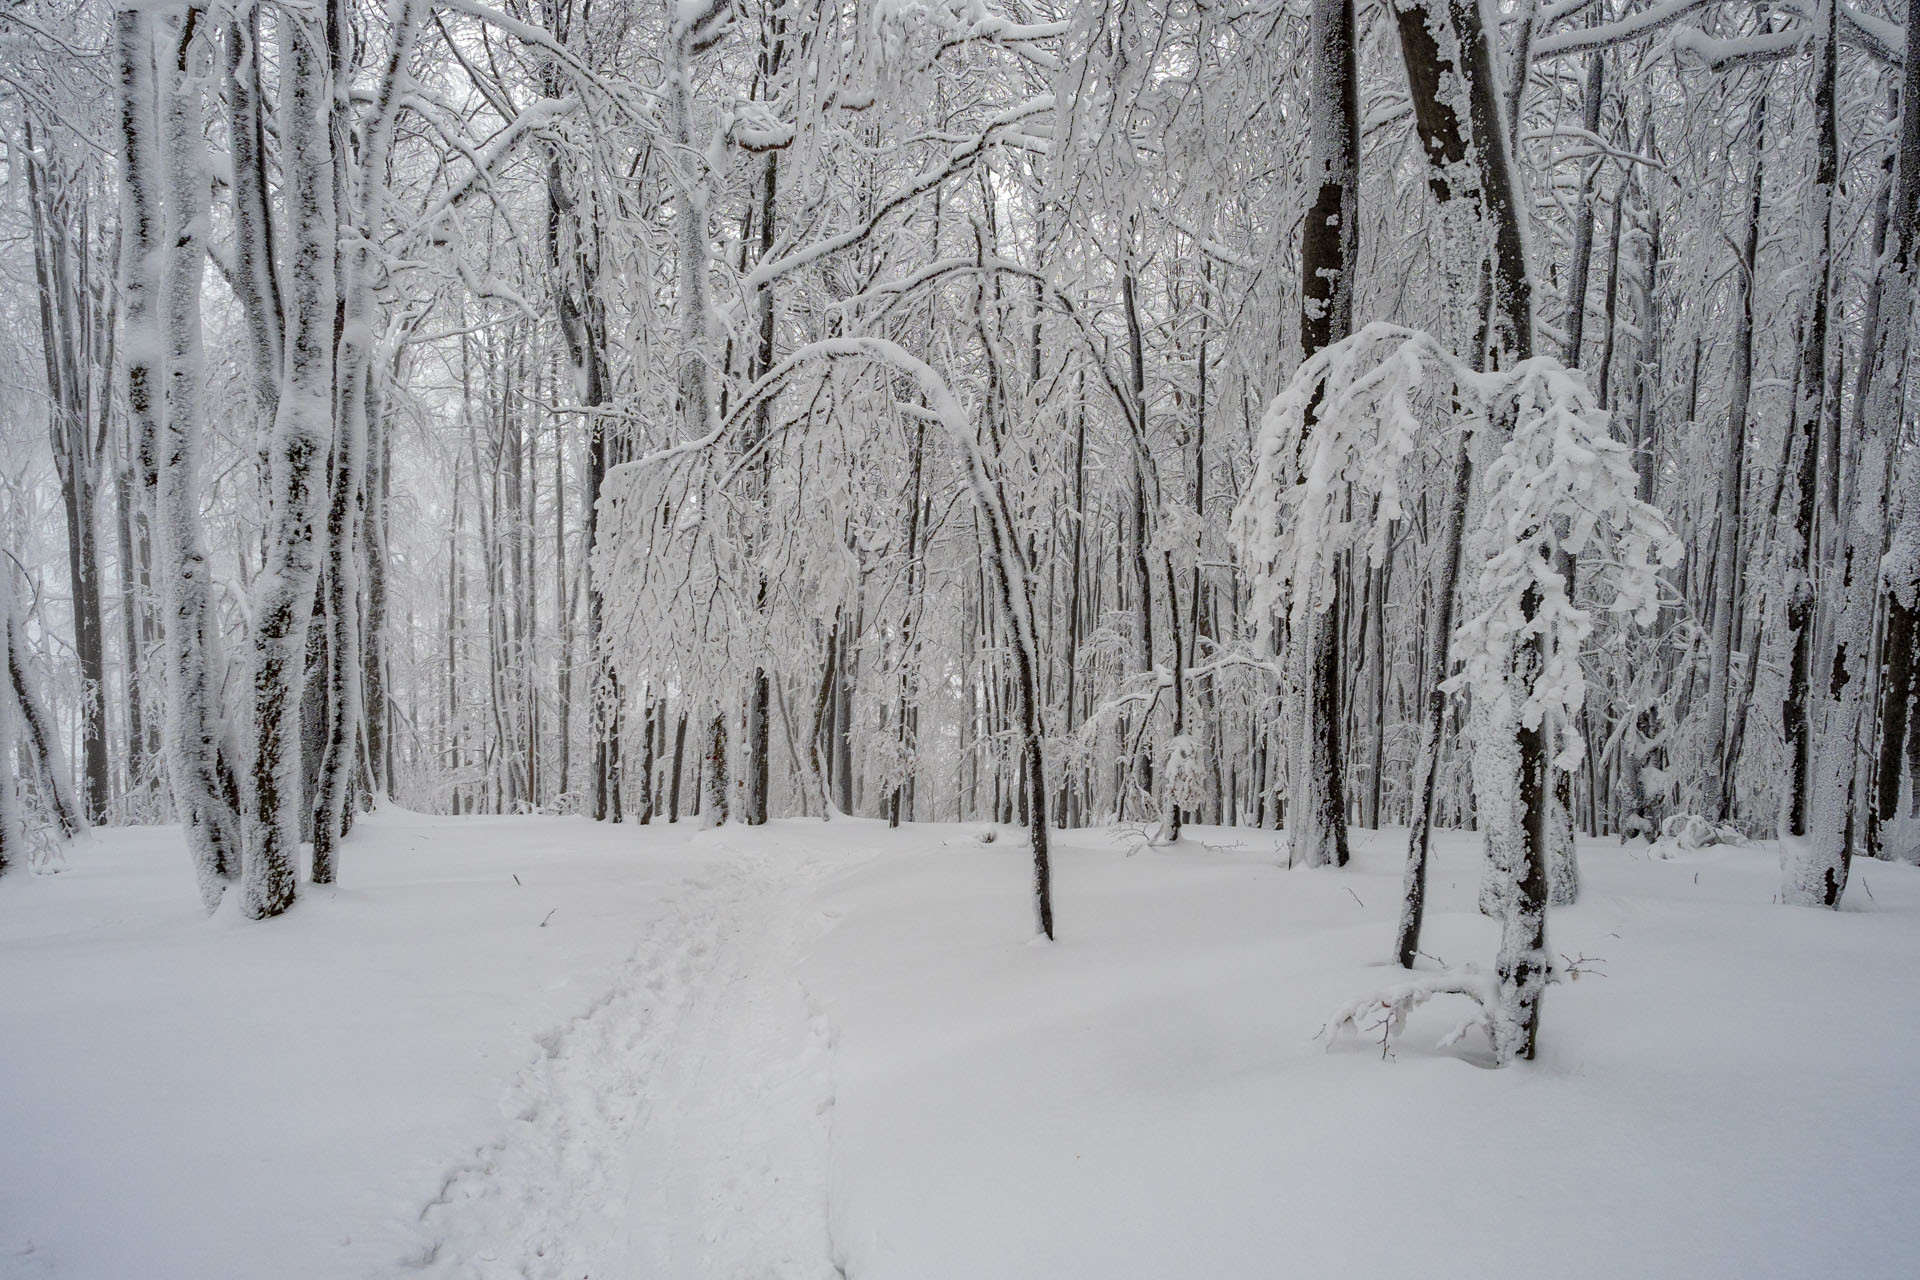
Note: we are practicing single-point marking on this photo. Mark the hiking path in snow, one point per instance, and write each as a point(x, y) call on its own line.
point(678, 1126)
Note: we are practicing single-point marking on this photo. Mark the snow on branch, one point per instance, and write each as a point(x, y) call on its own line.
point(1384, 1013)
point(1690, 44)
point(965, 22)
point(1883, 39)
point(1560, 483)
point(1559, 43)
point(958, 161)
point(1333, 442)
point(1879, 37)
point(536, 37)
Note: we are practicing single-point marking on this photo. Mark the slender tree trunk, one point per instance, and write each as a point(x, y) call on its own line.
point(1329, 246)
point(296, 451)
point(1809, 412)
point(718, 773)
point(1508, 338)
point(175, 348)
point(1453, 522)
point(1717, 785)
point(254, 280)
point(1816, 869)
point(24, 717)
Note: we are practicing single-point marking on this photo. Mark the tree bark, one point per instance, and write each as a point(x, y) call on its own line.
point(302, 432)
point(1329, 247)
point(1816, 869)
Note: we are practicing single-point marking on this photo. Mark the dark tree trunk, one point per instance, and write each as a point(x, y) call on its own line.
point(1329, 248)
point(679, 755)
point(1453, 521)
point(1809, 412)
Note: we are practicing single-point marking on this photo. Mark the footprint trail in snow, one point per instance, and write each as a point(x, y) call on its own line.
point(678, 1127)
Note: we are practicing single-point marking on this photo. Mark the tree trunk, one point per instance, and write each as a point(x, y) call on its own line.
point(297, 448)
point(1717, 785)
point(1816, 869)
point(1809, 412)
point(1329, 245)
point(1453, 523)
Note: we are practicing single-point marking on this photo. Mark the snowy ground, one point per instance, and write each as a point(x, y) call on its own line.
point(543, 1047)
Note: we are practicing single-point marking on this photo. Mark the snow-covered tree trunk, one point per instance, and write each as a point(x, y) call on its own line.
point(1716, 789)
point(1329, 247)
point(1809, 412)
point(1816, 868)
point(296, 452)
point(759, 691)
point(1433, 678)
point(378, 710)
point(254, 279)
point(899, 803)
point(355, 394)
point(13, 827)
point(1140, 762)
point(32, 725)
point(59, 224)
point(163, 248)
point(1457, 109)
point(823, 719)
point(719, 773)
point(194, 714)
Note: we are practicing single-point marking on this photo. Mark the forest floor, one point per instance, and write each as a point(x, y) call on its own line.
point(550, 1048)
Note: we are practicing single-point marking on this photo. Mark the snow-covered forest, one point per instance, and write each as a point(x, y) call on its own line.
point(1466, 439)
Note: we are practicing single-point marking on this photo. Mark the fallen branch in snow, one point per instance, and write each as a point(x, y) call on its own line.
point(1689, 833)
point(1386, 1011)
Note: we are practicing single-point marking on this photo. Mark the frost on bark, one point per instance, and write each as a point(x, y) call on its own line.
point(1716, 791)
point(719, 774)
point(296, 451)
point(71, 330)
point(1559, 486)
point(163, 245)
point(193, 713)
point(13, 830)
point(1329, 242)
point(25, 723)
point(1810, 409)
point(346, 512)
point(253, 277)
point(1413, 887)
point(1450, 79)
point(1815, 869)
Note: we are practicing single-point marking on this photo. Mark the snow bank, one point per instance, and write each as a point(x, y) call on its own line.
point(201, 1099)
point(776, 1053)
point(1146, 1097)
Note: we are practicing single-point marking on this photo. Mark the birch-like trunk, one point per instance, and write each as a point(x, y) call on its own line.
point(296, 453)
point(345, 700)
point(254, 279)
point(165, 243)
point(29, 723)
